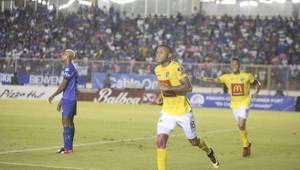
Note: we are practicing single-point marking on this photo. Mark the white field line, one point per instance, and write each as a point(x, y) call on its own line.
point(108, 142)
point(43, 166)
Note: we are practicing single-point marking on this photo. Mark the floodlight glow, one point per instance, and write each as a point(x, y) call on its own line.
point(228, 2)
point(248, 3)
point(206, 0)
point(244, 4)
point(266, 1)
point(87, 3)
point(253, 3)
point(50, 7)
point(69, 3)
point(122, 1)
point(295, 1)
point(280, 1)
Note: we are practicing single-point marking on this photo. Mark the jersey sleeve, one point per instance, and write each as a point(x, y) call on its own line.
point(156, 70)
point(222, 78)
point(179, 72)
point(251, 78)
point(68, 73)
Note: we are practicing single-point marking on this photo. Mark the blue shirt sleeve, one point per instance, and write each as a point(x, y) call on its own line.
point(68, 73)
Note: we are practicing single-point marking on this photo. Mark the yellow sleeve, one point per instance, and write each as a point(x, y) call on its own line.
point(179, 72)
point(156, 70)
point(251, 78)
point(222, 78)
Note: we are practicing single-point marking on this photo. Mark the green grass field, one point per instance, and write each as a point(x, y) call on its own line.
point(122, 137)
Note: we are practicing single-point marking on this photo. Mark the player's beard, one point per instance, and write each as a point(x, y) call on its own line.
point(165, 62)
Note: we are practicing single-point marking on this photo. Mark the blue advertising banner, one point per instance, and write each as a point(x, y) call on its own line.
point(279, 103)
point(5, 78)
point(122, 81)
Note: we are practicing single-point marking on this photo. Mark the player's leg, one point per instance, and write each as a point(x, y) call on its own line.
point(187, 122)
point(244, 136)
point(69, 111)
point(161, 144)
point(241, 115)
point(68, 124)
point(165, 126)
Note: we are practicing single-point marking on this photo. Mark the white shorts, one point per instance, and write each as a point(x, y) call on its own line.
point(166, 124)
point(241, 112)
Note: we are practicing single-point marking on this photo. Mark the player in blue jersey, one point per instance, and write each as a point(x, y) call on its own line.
point(68, 103)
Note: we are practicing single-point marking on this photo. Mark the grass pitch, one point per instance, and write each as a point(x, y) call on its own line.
point(122, 137)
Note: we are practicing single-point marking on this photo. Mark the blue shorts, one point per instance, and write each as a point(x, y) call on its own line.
point(69, 107)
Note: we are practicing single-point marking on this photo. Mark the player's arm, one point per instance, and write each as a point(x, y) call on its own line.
point(209, 79)
point(185, 86)
point(257, 85)
point(61, 87)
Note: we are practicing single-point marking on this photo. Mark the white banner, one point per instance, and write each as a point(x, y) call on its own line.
point(27, 92)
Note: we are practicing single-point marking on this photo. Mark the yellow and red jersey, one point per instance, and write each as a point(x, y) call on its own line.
point(239, 88)
point(173, 103)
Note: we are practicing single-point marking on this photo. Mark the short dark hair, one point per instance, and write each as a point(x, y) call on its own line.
point(165, 46)
point(235, 59)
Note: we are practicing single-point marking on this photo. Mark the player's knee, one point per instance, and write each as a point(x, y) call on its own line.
point(241, 126)
point(67, 122)
point(161, 142)
point(195, 142)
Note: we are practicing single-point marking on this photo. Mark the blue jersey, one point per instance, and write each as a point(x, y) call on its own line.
point(70, 91)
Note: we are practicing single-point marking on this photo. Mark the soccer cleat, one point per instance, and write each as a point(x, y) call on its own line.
point(247, 151)
point(64, 151)
point(213, 159)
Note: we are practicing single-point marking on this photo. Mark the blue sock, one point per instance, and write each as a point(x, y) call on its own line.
point(68, 138)
point(72, 135)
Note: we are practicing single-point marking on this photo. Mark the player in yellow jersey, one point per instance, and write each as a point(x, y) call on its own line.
point(238, 84)
point(176, 109)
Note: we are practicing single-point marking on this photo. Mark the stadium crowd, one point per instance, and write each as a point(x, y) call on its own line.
point(106, 35)
point(101, 35)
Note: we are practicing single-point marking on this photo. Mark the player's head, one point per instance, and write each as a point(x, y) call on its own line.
point(68, 55)
point(163, 53)
point(235, 65)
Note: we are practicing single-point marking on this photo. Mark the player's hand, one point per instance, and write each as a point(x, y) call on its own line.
point(159, 101)
point(50, 99)
point(58, 106)
point(164, 87)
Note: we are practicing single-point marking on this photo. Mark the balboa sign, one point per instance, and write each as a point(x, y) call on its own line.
point(127, 96)
point(123, 97)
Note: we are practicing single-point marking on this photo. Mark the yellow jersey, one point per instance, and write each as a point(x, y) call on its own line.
point(239, 88)
point(170, 75)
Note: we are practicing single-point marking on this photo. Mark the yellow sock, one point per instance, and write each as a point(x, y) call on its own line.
point(161, 159)
point(244, 137)
point(203, 146)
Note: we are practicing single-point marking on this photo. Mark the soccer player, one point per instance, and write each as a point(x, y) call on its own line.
point(238, 84)
point(68, 103)
point(176, 109)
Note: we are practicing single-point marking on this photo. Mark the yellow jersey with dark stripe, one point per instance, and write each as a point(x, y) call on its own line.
point(239, 88)
point(174, 103)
